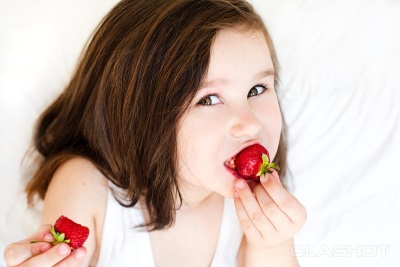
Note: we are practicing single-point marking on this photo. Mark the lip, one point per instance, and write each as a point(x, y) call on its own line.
point(245, 145)
point(233, 172)
point(236, 175)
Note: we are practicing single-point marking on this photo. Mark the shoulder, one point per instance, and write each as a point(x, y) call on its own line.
point(78, 181)
point(78, 190)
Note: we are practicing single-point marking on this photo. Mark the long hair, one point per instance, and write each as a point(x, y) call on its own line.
point(135, 79)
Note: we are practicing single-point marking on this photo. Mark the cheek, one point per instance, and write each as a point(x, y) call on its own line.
point(202, 129)
point(277, 131)
point(196, 140)
point(185, 148)
point(272, 125)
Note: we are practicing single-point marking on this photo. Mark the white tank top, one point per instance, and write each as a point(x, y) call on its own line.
point(123, 245)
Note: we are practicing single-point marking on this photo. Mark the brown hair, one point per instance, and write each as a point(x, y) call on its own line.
point(134, 81)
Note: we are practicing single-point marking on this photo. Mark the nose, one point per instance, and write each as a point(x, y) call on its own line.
point(245, 123)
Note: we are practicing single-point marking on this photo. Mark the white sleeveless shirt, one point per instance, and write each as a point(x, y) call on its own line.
point(123, 245)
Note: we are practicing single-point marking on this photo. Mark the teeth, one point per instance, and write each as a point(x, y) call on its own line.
point(231, 164)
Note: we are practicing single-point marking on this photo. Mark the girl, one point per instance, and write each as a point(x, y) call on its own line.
point(136, 146)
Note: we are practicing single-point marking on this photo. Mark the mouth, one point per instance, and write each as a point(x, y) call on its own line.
point(247, 169)
point(231, 167)
point(230, 163)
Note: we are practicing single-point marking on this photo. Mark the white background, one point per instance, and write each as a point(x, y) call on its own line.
point(340, 64)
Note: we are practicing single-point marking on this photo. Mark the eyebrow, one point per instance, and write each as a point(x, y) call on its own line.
point(269, 72)
point(264, 73)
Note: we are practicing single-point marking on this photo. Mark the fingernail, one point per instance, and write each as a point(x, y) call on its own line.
point(48, 237)
point(240, 184)
point(79, 254)
point(64, 249)
point(264, 178)
point(45, 247)
point(276, 177)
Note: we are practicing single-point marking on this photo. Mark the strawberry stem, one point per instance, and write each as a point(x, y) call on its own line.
point(59, 237)
point(266, 166)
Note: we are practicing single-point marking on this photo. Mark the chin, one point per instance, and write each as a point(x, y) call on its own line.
point(227, 194)
point(229, 189)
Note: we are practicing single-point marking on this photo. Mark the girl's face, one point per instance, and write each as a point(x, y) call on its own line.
point(234, 108)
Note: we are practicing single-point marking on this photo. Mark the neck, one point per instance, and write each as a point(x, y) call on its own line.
point(194, 201)
point(194, 197)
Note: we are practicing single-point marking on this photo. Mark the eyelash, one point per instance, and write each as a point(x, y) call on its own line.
point(263, 86)
point(205, 100)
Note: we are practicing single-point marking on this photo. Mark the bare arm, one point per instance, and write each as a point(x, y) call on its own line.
point(79, 192)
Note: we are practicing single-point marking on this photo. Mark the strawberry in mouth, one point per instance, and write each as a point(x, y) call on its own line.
point(252, 162)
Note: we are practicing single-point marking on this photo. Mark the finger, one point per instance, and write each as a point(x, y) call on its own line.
point(42, 234)
point(247, 225)
point(75, 259)
point(271, 210)
point(276, 176)
point(21, 251)
point(253, 210)
point(49, 258)
point(289, 204)
point(17, 253)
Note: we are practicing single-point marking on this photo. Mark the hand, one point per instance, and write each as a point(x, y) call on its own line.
point(270, 215)
point(43, 254)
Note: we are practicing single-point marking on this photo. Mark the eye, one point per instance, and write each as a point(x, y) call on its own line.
point(257, 90)
point(209, 100)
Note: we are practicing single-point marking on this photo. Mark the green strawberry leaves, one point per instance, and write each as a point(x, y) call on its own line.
point(66, 228)
point(59, 237)
point(266, 166)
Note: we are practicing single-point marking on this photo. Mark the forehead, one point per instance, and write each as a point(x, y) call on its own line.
point(239, 52)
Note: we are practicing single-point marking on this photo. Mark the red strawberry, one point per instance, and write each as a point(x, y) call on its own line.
point(253, 161)
point(68, 231)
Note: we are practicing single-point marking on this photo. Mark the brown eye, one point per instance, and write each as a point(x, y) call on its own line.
point(256, 90)
point(209, 100)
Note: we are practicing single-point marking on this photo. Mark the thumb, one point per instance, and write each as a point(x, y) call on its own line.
point(42, 234)
point(17, 253)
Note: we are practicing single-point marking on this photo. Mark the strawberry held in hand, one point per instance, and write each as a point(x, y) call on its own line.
point(68, 231)
point(253, 161)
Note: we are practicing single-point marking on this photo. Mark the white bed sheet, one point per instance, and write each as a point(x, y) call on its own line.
point(341, 97)
point(340, 84)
